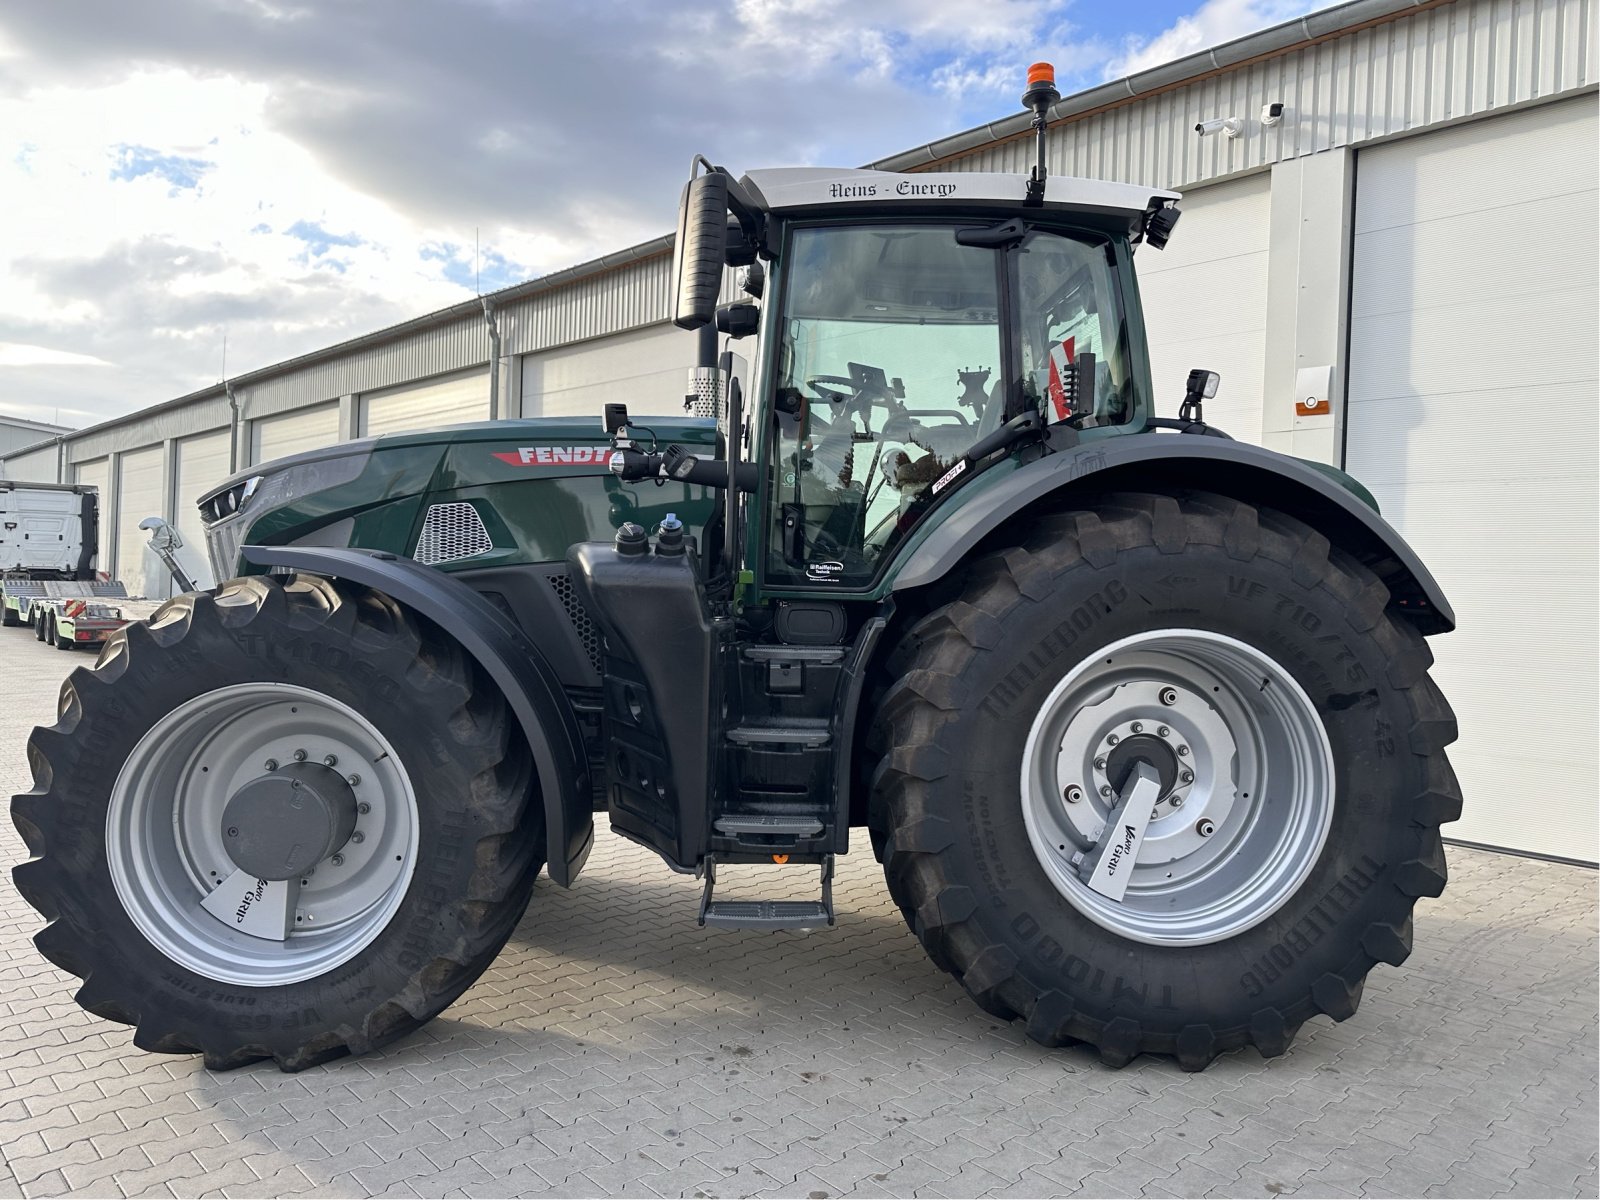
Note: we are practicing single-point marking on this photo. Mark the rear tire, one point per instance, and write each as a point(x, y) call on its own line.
point(92, 822)
point(8, 618)
point(973, 683)
point(59, 642)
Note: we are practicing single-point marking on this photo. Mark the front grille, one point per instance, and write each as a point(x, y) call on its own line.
point(588, 632)
point(452, 531)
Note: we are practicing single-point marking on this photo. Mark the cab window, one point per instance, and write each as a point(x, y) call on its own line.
point(888, 370)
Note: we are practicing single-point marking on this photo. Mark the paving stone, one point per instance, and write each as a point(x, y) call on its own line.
point(611, 1029)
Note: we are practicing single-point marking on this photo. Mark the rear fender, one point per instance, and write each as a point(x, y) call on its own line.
point(1154, 461)
point(509, 658)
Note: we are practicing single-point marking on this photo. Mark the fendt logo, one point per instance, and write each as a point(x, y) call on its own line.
point(557, 456)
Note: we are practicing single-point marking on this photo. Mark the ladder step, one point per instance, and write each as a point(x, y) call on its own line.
point(799, 732)
point(798, 827)
point(767, 914)
point(810, 654)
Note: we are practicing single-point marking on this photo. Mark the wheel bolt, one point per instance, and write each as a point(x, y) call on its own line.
point(299, 756)
point(1138, 727)
point(233, 831)
point(330, 760)
point(1112, 739)
point(354, 781)
point(1163, 731)
point(271, 764)
point(1177, 801)
point(1186, 776)
point(338, 860)
point(1105, 789)
point(1205, 828)
point(1099, 764)
point(1072, 794)
point(363, 808)
point(1183, 752)
point(358, 837)
point(1169, 696)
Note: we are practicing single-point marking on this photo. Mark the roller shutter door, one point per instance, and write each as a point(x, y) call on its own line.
point(1472, 416)
point(141, 493)
point(648, 370)
point(1205, 302)
point(292, 432)
point(36, 466)
point(202, 463)
point(446, 401)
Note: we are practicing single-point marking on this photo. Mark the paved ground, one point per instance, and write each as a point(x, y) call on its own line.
point(615, 1048)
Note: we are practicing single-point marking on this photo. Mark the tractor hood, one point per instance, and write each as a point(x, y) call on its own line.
point(531, 486)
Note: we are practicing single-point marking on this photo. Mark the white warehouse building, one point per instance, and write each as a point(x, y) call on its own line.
point(1397, 275)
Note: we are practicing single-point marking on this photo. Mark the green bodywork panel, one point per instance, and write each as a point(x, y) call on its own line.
point(539, 485)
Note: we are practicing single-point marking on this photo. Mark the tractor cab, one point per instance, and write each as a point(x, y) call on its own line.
point(914, 333)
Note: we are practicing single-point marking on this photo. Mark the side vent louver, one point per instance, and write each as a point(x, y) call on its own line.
point(452, 531)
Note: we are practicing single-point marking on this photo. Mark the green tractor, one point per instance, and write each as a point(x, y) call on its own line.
point(1136, 717)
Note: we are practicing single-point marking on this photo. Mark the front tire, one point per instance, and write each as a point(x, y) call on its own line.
point(1008, 699)
point(129, 816)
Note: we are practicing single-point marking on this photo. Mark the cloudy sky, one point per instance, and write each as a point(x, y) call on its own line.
point(276, 175)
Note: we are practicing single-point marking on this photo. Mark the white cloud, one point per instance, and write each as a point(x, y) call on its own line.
point(1214, 22)
point(15, 354)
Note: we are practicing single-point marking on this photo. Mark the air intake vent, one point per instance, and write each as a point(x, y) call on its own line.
point(452, 531)
point(588, 634)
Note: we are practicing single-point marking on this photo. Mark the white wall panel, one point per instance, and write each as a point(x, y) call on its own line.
point(36, 466)
point(201, 463)
point(446, 401)
point(292, 432)
point(141, 493)
point(1205, 302)
point(1472, 416)
point(648, 370)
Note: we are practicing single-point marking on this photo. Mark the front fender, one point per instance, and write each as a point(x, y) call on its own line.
point(515, 664)
point(1154, 461)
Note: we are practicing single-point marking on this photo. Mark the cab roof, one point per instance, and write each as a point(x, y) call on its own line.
point(792, 188)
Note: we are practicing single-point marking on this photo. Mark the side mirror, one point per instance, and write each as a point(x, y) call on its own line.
point(698, 255)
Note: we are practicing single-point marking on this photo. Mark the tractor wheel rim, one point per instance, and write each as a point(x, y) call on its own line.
point(167, 849)
point(1227, 846)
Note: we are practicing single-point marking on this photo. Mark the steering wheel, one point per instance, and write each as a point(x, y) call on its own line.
point(818, 384)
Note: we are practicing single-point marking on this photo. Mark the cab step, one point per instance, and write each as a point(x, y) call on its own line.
point(766, 914)
point(768, 826)
point(798, 731)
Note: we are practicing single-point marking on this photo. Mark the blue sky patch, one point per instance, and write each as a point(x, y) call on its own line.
point(134, 162)
point(318, 240)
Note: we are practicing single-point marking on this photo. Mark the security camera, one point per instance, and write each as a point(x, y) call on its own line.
point(1232, 126)
point(1272, 114)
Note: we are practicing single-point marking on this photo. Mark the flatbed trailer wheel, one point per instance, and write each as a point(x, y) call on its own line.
point(1166, 777)
point(285, 821)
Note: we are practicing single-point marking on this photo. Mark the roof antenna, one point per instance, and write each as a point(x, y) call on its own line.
point(1041, 94)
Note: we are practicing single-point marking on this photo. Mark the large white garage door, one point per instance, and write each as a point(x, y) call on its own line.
point(141, 493)
point(1205, 302)
point(448, 400)
point(292, 432)
point(1472, 416)
point(648, 370)
point(202, 464)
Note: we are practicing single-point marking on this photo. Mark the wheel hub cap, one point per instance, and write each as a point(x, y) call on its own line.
point(281, 824)
point(1246, 784)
